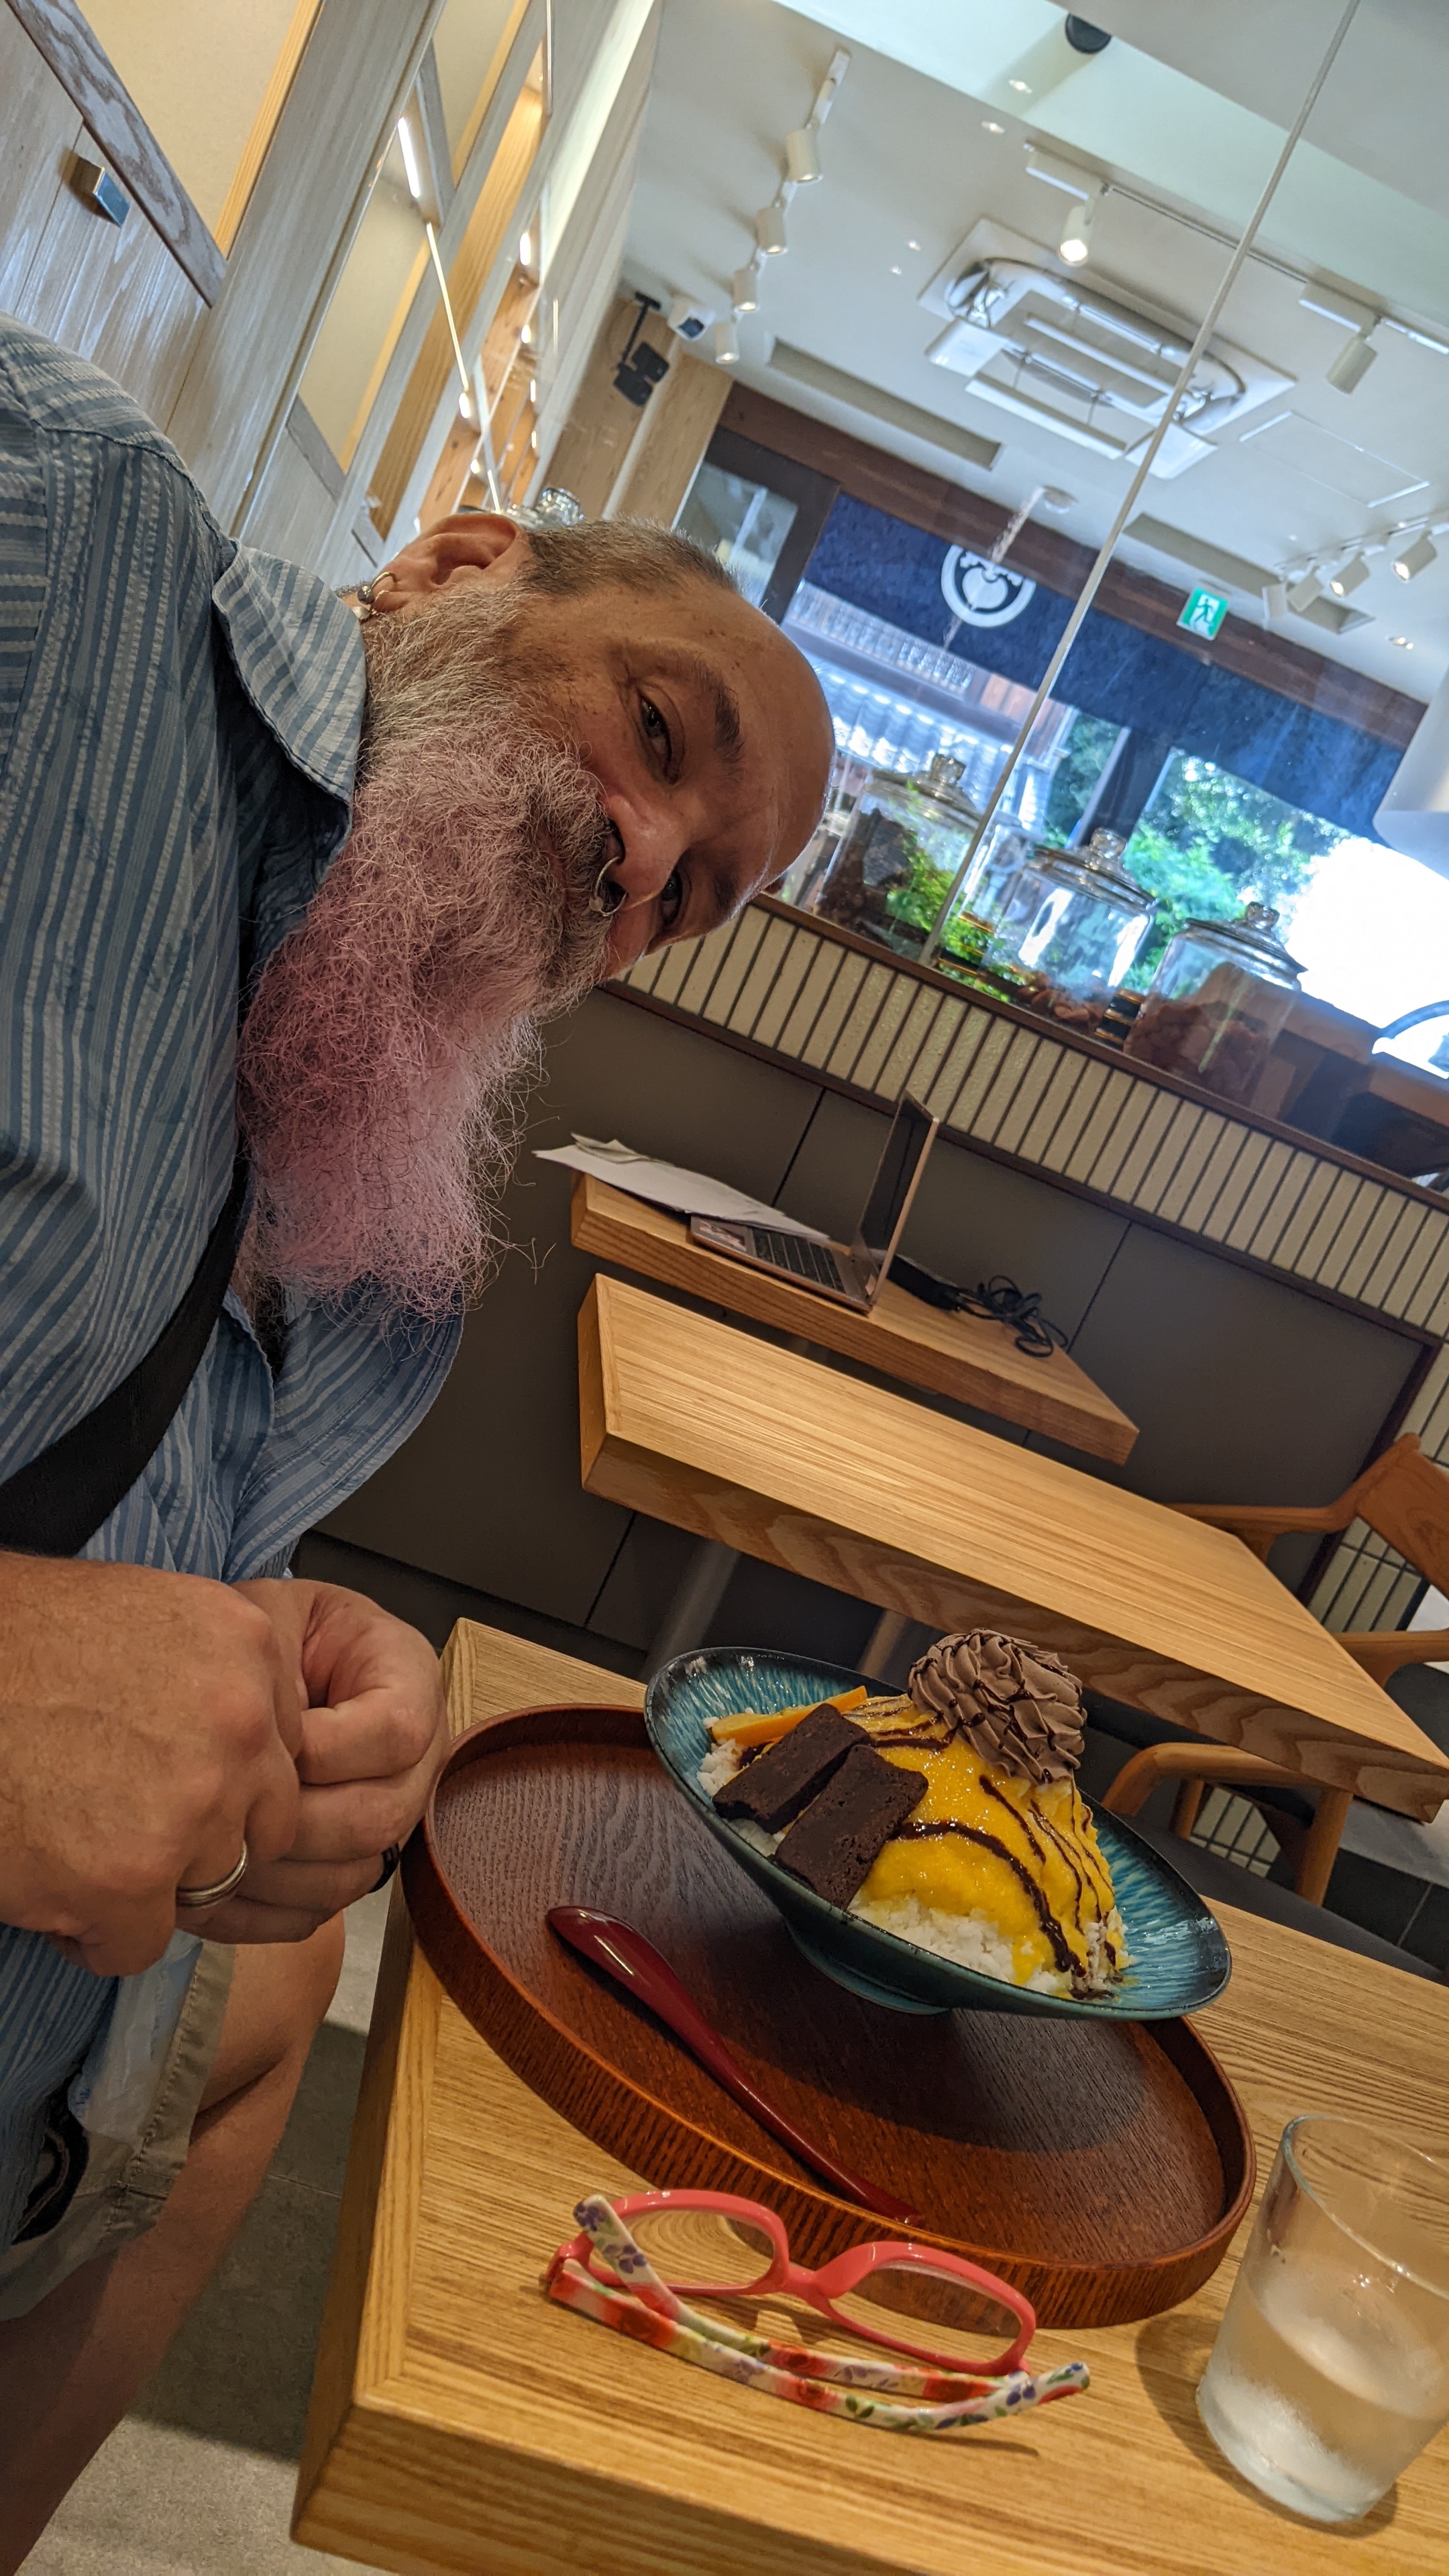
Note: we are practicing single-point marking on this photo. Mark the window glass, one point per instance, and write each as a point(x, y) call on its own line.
point(210, 77)
point(743, 525)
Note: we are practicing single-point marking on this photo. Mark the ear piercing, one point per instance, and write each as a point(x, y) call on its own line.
point(363, 596)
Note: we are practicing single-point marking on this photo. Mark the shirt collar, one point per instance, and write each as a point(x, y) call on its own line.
point(298, 654)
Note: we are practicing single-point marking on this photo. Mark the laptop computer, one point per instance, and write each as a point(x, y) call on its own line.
point(855, 1274)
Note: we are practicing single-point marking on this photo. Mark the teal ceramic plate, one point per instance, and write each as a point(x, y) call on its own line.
point(1180, 1959)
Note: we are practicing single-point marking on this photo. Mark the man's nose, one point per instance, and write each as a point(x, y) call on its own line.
point(650, 843)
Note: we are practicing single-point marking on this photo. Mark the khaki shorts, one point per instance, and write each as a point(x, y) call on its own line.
point(123, 2187)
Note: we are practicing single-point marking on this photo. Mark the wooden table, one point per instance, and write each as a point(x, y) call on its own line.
point(970, 1357)
point(738, 1441)
point(461, 2423)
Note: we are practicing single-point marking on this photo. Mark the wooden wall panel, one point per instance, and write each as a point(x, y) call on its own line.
point(294, 506)
point(293, 240)
point(592, 448)
point(112, 293)
point(585, 266)
point(674, 430)
point(85, 72)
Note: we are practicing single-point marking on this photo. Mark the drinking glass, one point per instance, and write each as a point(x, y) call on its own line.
point(1331, 2367)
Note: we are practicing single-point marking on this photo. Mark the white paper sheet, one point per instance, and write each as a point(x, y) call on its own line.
point(666, 1185)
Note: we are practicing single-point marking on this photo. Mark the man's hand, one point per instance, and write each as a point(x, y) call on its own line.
point(374, 1732)
point(149, 1723)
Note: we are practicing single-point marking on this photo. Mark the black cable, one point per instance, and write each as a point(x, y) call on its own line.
point(999, 1297)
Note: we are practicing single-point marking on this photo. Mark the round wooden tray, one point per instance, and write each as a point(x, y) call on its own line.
point(1101, 2166)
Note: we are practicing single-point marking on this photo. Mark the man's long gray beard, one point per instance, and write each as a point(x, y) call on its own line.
point(390, 1041)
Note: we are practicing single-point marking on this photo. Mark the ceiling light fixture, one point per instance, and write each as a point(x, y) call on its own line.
point(1024, 87)
point(1075, 245)
point(897, 271)
point(745, 289)
point(726, 345)
point(1302, 593)
point(1349, 576)
point(802, 157)
point(990, 126)
point(409, 151)
point(1353, 362)
point(770, 230)
point(1404, 642)
point(1413, 559)
point(913, 245)
point(525, 250)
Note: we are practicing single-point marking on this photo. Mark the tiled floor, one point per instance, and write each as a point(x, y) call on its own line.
point(198, 2480)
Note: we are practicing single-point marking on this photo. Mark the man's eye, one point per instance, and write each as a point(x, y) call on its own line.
point(671, 901)
point(655, 727)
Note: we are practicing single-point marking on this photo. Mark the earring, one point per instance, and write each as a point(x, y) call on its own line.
point(361, 596)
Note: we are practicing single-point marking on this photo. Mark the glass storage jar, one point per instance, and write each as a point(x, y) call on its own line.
point(1069, 925)
point(1002, 851)
point(1217, 1002)
point(892, 867)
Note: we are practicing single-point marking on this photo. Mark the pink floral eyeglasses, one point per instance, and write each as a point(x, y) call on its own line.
point(738, 2249)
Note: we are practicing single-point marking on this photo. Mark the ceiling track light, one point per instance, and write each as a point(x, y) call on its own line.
point(745, 289)
point(1301, 594)
point(726, 345)
point(1275, 598)
point(802, 156)
point(1353, 361)
point(1415, 558)
point(770, 230)
point(1350, 576)
point(1075, 245)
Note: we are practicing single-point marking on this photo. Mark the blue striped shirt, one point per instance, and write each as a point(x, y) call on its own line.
point(179, 720)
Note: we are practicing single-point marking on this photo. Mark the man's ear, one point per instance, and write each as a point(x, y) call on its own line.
point(472, 545)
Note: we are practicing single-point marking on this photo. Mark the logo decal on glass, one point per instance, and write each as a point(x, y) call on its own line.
point(983, 593)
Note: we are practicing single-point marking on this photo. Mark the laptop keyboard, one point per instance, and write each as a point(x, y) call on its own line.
point(795, 1253)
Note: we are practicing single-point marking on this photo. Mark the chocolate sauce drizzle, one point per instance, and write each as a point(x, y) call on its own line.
point(910, 1832)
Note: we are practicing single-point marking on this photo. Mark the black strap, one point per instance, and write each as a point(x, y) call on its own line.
point(53, 1505)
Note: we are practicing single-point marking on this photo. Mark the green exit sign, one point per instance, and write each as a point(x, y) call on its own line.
point(1203, 613)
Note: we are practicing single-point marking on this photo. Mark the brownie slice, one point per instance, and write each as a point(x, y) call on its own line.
point(774, 1787)
point(833, 1843)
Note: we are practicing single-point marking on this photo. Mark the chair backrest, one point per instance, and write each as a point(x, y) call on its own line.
point(1405, 1497)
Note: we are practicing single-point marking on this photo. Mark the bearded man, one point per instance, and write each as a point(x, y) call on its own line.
point(287, 887)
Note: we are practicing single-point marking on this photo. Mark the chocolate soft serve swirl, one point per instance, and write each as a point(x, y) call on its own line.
point(1017, 1706)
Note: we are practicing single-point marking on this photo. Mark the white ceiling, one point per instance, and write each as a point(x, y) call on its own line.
point(1193, 125)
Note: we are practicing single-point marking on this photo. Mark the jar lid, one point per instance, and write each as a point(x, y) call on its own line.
point(941, 778)
point(1098, 865)
point(1250, 939)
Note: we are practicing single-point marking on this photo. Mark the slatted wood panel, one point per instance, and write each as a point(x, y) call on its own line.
point(819, 1001)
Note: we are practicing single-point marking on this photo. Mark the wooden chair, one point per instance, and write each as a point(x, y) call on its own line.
point(1200, 1766)
point(1405, 1498)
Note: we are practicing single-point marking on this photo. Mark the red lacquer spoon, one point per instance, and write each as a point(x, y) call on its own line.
point(637, 1966)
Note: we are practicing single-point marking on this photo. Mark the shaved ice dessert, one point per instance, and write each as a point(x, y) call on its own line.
point(948, 1815)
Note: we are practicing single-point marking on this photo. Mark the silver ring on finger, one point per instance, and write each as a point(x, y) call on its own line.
point(192, 1899)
